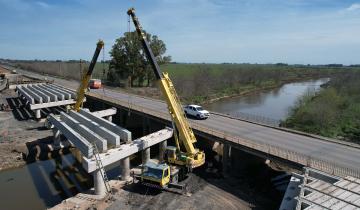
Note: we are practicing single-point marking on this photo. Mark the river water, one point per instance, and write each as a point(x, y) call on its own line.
point(273, 104)
point(43, 184)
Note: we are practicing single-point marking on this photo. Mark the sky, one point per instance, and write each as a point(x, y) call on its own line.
point(194, 31)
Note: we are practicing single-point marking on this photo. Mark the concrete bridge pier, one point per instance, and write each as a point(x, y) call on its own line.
point(99, 185)
point(125, 169)
point(37, 113)
point(109, 118)
point(56, 133)
point(145, 125)
point(162, 150)
point(145, 155)
point(226, 158)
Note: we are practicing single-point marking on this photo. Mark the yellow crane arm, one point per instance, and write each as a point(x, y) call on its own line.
point(87, 76)
point(186, 136)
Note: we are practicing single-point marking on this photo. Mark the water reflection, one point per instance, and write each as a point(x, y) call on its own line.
point(274, 104)
point(42, 184)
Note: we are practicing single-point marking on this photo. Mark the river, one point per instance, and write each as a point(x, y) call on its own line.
point(272, 104)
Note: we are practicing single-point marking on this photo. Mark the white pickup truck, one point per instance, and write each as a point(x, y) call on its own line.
point(196, 111)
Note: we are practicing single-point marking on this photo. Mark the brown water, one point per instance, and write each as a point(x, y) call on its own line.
point(274, 104)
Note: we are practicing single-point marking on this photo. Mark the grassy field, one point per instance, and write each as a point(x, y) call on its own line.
point(332, 112)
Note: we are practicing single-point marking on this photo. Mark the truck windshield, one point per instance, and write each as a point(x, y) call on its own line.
point(199, 108)
point(152, 172)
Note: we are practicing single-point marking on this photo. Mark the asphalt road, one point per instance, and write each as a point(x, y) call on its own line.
point(342, 155)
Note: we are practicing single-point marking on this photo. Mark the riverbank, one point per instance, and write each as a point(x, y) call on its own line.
point(332, 112)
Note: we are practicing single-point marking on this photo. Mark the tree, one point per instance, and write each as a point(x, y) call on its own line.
point(129, 60)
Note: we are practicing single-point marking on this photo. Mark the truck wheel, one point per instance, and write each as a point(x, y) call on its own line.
point(198, 116)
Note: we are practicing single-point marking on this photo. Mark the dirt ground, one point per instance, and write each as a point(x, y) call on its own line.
point(17, 127)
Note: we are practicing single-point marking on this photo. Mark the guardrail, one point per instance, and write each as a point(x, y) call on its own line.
point(305, 160)
point(255, 118)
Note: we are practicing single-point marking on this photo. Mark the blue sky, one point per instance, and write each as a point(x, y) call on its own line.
point(215, 31)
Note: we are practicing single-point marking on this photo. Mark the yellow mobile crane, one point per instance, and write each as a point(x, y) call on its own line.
point(87, 76)
point(184, 161)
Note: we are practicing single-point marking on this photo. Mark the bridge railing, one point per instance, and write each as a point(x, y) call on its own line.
point(255, 118)
point(278, 151)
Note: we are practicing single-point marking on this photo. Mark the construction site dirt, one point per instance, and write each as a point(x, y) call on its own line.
point(16, 130)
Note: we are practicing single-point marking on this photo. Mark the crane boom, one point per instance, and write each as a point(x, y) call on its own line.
point(87, 76)
point(193, 157)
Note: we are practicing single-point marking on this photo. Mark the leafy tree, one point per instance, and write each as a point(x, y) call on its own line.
point(129, 60)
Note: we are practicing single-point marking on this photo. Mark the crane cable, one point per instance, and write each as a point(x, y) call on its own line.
point(128, 27)
point(103, 65)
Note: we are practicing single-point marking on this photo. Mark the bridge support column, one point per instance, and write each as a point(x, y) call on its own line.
point(225, 158)
point(67, 107)
point(37, 113)
point(162, 150)
point(145, 125)
point(125, 169)
point(99, 185)
point(56, 133)
point(145, 155)
point(109, 118)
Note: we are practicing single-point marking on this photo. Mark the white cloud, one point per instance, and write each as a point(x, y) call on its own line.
point(353, 7)
point(42, 4)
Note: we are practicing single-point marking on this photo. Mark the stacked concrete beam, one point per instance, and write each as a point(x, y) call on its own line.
point(111, 137)
point(125, 135)
point(72, 135)
point(41, 95)
point(84, 128)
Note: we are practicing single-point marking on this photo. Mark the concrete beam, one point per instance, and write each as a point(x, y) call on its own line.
point(85, 132)
point(75, 138)
point(33, 94)
point(108, 135)
point(45, 97)
point(58, 94)
point(72, 93)
point(125, 150)
point(25, 95)
point(105, 113)
point(124, 133)
point(52, 104)
point(53, 96)
point(66, 94)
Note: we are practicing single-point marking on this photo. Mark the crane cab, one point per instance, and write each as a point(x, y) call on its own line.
point(156, 174)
